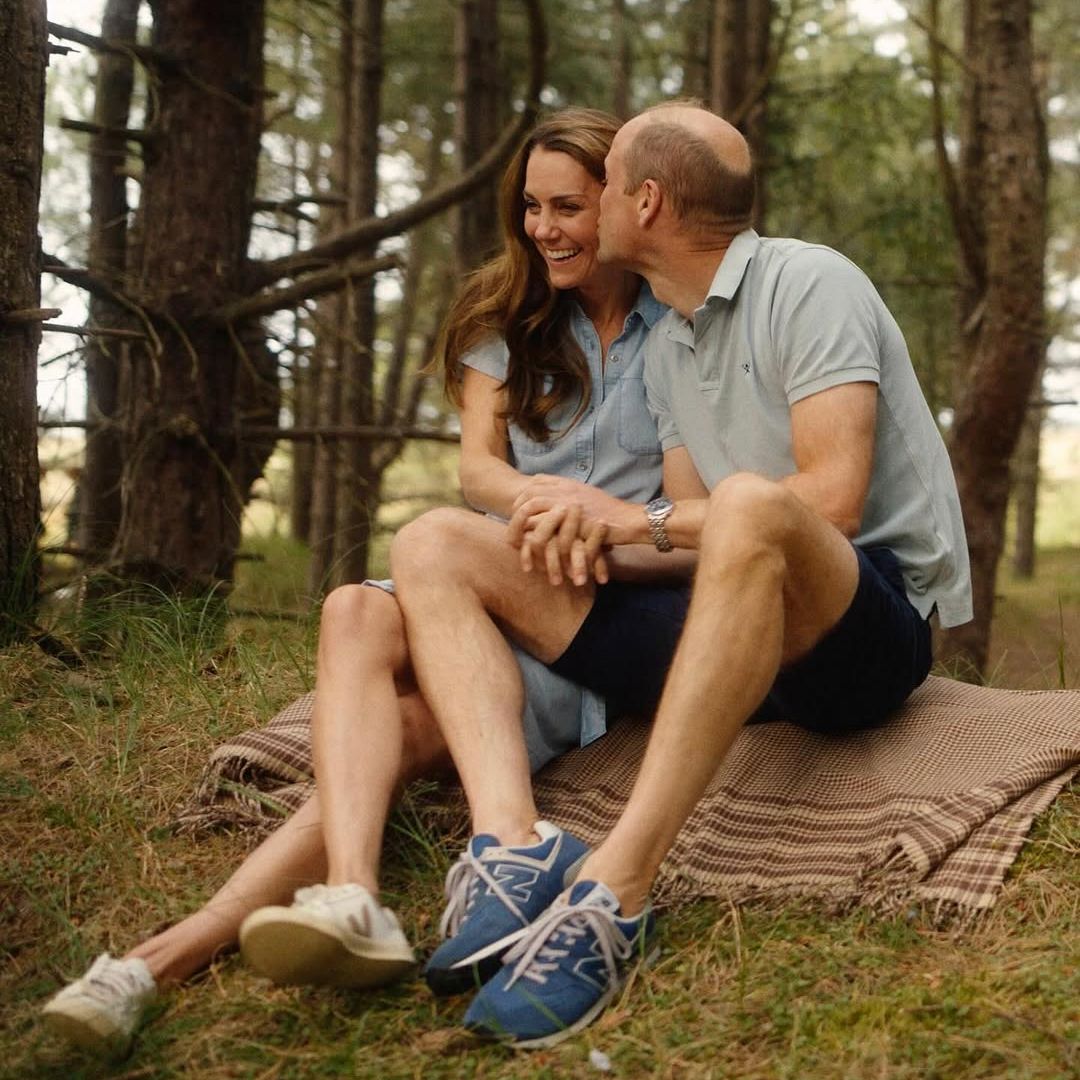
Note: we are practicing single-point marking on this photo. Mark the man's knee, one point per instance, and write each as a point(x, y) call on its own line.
point(748, 511)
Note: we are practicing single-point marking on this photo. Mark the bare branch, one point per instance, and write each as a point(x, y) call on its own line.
point(332, 433)
point(764, 77)
point(370, 231)
point(92, 331)
point(360, 433)
point(934, 36)
point(304, 288)
point(78, 276)
point(144, 53)
point(29, 315)
point(131, 134)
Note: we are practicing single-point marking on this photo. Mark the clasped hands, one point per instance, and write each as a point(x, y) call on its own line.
point(565, 527)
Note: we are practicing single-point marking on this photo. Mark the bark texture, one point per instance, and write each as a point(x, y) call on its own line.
point(478, 93)
point(99, 503)
point(1000, 214)
point(186, 473)
point(23, 55)
point(740, 68)
point(357, 494)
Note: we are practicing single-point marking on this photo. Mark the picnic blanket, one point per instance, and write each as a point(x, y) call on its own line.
point(930, 809)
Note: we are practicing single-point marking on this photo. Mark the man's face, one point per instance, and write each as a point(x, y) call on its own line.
point(617, 225)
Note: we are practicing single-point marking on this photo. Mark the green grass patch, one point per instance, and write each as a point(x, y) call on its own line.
point(94, 763)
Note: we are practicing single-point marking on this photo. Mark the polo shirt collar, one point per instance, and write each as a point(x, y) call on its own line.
point(725, 283)
point(732, 268)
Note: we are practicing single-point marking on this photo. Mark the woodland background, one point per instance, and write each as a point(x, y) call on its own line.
point(266, 206)
point(251, 215)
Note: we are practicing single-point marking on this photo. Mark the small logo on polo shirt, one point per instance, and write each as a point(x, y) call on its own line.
point(746, 369)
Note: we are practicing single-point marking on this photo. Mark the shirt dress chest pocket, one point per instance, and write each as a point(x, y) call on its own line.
point(636, 426)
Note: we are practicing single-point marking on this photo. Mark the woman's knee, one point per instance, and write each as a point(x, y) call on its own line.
point(427, 540)
point(365, 618)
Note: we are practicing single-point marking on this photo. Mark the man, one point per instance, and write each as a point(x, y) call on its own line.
point(830, 533)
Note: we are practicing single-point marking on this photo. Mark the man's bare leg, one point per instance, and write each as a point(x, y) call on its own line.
point(458, 581)
point(772, 579)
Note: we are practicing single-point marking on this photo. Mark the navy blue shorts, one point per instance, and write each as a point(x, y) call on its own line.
point(866, 665)
point(624, 648)
point(858, 674)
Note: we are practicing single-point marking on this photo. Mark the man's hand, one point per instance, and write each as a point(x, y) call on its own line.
point(595, 504)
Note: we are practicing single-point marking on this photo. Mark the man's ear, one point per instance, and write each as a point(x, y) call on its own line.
point(649, 200)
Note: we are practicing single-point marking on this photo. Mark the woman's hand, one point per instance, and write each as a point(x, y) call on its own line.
point(556, 537)
point(567, 530)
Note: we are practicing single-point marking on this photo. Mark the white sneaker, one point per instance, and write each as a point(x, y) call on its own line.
point(331, 935)
point(101, 1010)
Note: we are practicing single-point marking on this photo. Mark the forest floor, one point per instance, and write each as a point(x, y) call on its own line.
point(94, 763)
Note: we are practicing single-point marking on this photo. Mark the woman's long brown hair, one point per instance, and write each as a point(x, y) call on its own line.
point(510, 295)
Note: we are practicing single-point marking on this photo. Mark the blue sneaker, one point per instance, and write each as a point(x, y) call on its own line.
point(562, 974)
point(493, 893)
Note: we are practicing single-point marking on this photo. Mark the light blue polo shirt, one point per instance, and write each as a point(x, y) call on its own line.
point(783, 320)
point(614, 446)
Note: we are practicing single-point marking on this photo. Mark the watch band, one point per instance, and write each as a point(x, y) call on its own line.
point(658, 511)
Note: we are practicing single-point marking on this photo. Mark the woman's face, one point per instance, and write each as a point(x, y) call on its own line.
point(562, 207)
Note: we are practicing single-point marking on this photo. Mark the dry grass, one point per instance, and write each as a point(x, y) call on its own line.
point(92, 766)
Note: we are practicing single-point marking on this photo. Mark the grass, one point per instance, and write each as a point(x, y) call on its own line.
point(93, 763)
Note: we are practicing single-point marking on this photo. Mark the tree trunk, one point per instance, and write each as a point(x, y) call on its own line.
point(1002, 327)
point(23, 56)
point(186, 474)
point(1025, 482)
point(696, 17)
point(620, 60)
point(357, 494)
point(738, 77)
point(98, 493)
point(477, 124)
point(304, 384)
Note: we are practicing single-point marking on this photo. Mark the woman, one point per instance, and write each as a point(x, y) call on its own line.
point(543, 356)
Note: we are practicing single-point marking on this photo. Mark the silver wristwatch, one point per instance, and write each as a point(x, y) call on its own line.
point(658, 511)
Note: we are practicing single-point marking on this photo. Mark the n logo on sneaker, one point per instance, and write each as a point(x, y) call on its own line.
point(517, 881)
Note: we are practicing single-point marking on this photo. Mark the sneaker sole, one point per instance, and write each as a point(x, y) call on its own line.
point(85, 1029)
point(312, 952)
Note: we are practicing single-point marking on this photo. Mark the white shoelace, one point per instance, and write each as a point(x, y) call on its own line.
point(459, 883)
point(348, 904)
point(115, 979)
point(551, 936)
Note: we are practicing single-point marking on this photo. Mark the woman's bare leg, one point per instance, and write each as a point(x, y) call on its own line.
point(293, 855)
point(371, 732)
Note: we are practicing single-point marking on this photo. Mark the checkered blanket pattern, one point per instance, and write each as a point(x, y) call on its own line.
point(930, 809)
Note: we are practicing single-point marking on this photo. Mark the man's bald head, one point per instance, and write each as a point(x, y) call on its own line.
point(700, 162)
